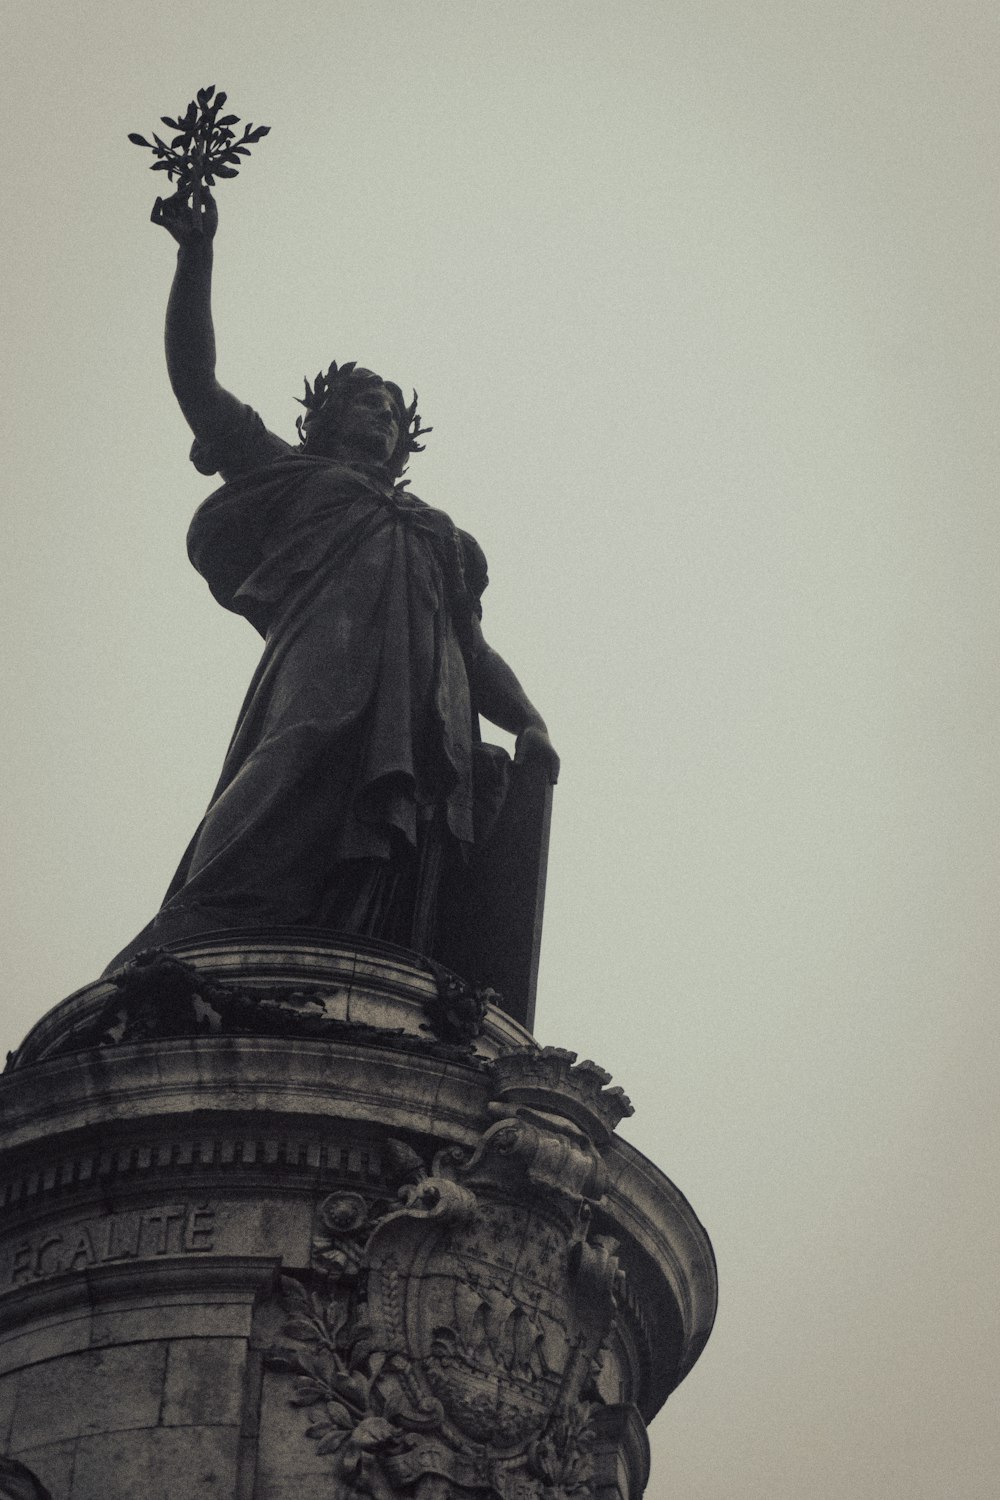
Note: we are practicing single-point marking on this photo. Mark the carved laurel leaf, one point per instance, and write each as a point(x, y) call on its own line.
point(308, 1391)
point(303, 1329)
point(322, 1365)
point(334, 1319)
point(358, 1344)
point(349, 1388)
point(293, 1293)
point(332, 1442)
point(339, 1415)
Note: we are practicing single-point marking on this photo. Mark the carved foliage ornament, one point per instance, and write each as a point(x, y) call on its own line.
point(445, 1347)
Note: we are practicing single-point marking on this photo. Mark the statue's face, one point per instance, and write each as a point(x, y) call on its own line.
point(367, 428)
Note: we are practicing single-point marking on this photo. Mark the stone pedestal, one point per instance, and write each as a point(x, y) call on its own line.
point(285, 1219)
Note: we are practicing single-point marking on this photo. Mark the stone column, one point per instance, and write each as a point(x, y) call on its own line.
point(286, 1218)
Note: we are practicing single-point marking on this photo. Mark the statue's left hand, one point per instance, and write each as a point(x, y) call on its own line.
point(533, 743)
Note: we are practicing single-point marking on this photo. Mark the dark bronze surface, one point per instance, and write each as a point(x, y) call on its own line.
point(355, 795)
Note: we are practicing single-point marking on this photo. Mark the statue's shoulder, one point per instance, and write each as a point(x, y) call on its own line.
point(474, 559)
point(243, 445)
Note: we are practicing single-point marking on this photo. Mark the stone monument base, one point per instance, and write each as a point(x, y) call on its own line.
point(286, 1219)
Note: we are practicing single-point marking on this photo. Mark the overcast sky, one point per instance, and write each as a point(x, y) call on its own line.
point(700, 299)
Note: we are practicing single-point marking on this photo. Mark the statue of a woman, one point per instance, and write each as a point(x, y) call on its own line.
point(355, 780)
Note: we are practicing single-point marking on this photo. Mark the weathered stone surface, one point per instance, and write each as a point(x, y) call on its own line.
point(198, 1463)
point(171, 1320)
point(52, 1466)
point(396, 1273)
point(103, 1390)
point(204, 1382)
point(288, 1464)
point(65, 1333)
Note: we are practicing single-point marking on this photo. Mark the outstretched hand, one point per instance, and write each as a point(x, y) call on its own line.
point(188, 216)
point(534, 744)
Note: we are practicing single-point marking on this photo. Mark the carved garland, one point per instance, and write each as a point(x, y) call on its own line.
point(159, 996)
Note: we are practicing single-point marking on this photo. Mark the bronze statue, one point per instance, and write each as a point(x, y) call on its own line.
point(355, 784)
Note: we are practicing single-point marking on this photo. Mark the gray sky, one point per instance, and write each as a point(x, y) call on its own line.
point(701, 301)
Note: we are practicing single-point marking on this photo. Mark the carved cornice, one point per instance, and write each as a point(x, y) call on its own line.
point(161, 997)
point(127, 1163)
point(308, 1086)
point(223, 1275)
point(672, 1250)
point(278, 982)
point(620, 1438)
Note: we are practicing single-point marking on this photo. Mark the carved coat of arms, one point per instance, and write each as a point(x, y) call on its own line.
point(448, 1351)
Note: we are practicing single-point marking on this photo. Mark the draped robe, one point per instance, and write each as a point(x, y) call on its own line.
point(347, 789)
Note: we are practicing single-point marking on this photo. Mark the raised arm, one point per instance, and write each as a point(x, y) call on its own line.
point(208, 408)
point(499, 697)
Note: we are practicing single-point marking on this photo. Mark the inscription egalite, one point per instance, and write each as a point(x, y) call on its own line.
point(168, 1229)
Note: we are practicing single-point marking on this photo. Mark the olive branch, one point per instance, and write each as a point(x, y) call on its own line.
point(205, 146)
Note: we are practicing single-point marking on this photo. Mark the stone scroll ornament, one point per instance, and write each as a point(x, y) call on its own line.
point(446, 1349)
point(204, 146)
